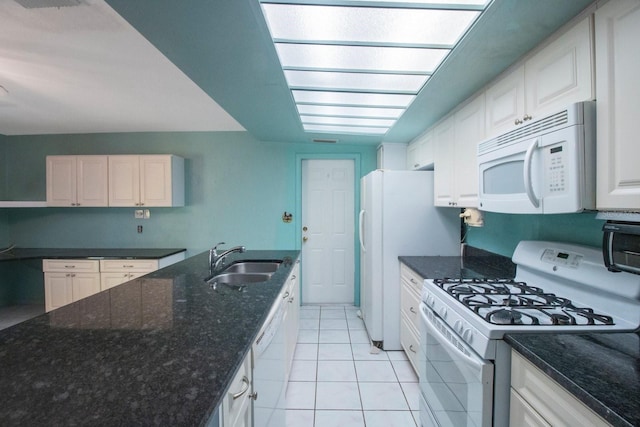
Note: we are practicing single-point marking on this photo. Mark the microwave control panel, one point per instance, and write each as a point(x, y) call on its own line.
point(555, 163)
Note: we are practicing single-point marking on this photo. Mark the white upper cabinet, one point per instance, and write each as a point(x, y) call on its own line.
point(444, 175)
point(421, 152)
point(392, 156)
point(560, 74)
point(146, 180)
point(617, 25)
point(505, 103)
point(77, 181)
point(456, 153)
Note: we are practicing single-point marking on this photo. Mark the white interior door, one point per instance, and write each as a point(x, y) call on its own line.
point(328, 231)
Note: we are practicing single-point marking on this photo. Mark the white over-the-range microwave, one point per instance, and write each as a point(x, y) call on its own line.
point(546, 166)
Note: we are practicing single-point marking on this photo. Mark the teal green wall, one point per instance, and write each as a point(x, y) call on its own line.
point(501, 232)
point(236, 191)
point(4, 220)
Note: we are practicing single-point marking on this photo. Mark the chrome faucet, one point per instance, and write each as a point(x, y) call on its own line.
point(215, 259)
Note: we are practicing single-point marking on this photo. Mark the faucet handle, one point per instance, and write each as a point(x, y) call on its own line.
point(214, 250)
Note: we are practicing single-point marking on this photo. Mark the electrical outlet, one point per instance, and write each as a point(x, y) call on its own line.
point(138, 214)
point(139, 229)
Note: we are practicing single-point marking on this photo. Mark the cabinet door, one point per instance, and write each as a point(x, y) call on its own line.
point(155, 181)
point(57, 290)
point(109, 280)
point(412, 155)
point(61, 180)
point(84, 284)
point(236, 404)
point(469, 132)
point(92, 183)
point(523, 415)
point(617, 69)
point(505, 103)
point(124, 181)
point(444, 175)
point(560, 74)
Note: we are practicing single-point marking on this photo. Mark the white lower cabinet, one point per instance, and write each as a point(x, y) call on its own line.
point(66, 281)
point(410, 288)
point(291, 317)
point(114, 272)
point(236, 404)
point(537, 400)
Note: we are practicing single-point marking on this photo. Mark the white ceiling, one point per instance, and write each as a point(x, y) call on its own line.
point(84, 69)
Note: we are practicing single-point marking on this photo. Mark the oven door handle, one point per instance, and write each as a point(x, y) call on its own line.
point(528, 184)
point(474, 360)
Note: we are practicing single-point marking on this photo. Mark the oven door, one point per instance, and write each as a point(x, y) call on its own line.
point(456, 384)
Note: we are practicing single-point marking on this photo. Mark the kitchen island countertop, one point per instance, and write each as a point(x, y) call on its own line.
point(158, 350)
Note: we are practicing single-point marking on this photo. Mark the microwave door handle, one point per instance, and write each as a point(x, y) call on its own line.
point(528, 185)
point(361, 231)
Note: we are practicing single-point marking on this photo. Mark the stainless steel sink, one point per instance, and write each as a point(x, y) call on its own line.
point(253, 267)
point(236, 279)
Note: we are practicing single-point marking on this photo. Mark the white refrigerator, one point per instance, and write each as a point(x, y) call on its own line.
point(397, 218)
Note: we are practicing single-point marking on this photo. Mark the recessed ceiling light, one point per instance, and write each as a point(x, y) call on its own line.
point(354, 66)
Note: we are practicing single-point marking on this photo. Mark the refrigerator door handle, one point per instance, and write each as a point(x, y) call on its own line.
point(361, 230)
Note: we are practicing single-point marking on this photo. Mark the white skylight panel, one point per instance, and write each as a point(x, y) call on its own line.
point(429, 27)
point(336, 110)
point(346, 129)
point(346, 121)
point(447, 3)
point(368, 58)
point(353, 98)
point(355, 81)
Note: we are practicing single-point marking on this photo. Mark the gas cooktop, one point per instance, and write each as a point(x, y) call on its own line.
point(511, 302)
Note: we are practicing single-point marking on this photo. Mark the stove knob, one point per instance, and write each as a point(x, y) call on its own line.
point(443, 312)
point(458, 326)
point(431, 300)
point(467, 335)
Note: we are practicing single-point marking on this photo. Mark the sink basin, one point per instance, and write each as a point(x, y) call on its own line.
point(236, 279)
point(245, 267)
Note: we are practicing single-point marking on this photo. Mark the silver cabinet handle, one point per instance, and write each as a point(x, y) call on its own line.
point(411, 309)
point(286, 295)
point(293, 277)
point(411, 348)
point(413, 281)
point(245, 387)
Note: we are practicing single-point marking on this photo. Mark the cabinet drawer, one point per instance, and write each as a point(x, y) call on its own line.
point(68, 265)
point(410, 341)
point(123, 265)
point(550, 400)
point(410, 304)
point(412, 278)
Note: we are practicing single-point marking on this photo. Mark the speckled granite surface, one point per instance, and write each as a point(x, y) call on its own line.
point(53, 253)
point(159, 350)
point(475, 263)
point(602, 370)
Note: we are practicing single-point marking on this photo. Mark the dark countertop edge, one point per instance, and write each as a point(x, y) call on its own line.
point(18, 254)
point(584, 396)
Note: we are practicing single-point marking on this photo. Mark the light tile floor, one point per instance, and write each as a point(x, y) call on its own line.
point(336, 380)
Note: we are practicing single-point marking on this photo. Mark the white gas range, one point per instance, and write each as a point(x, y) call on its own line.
point(558, 288)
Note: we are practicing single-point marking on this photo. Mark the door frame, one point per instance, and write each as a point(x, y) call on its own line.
point(355, 157)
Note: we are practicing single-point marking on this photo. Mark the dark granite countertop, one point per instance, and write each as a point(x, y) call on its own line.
point(476, 263)
point(80, 253)
point(158, 350)
point(602, 370)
